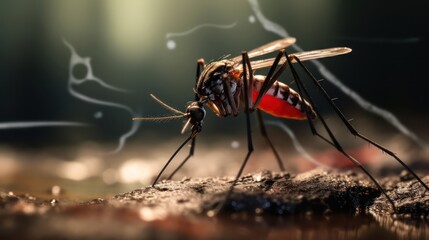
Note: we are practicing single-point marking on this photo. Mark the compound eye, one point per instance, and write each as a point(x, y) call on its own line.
point(197, 114)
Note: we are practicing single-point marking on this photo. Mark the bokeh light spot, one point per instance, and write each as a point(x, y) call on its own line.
point(171, 44)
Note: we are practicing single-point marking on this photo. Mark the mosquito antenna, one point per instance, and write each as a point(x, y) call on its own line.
point(159, 118)
point(166, 105)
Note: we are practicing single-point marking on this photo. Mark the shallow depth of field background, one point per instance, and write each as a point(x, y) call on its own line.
point(54, 131)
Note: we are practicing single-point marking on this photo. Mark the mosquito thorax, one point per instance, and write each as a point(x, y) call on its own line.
point(210, 81)
point(213, 82)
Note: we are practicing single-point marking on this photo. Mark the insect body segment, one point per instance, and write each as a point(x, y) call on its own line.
point(281, 100)
point(220, 83)
point(195, 113)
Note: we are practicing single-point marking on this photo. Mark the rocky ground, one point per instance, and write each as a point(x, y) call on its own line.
point(260, 203)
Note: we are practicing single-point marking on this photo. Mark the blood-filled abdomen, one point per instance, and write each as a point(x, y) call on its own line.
point(281, 101)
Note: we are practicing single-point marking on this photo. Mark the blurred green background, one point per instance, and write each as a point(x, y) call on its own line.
point(128, 46)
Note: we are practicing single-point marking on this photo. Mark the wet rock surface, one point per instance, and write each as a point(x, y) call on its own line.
point(178, 209)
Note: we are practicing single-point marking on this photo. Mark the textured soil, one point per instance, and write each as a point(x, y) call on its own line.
point(182, 209)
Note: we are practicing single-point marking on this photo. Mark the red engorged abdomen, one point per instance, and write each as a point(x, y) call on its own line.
point(278, 107)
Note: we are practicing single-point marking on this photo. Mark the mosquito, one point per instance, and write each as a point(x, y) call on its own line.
point(223, 84)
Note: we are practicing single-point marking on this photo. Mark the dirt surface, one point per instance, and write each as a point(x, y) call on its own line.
point(271, 201)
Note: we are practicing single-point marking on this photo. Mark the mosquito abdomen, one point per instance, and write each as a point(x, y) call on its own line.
point(281, 100)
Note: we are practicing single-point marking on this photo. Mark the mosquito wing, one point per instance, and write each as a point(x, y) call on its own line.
point(268, 48)
point(303, 56)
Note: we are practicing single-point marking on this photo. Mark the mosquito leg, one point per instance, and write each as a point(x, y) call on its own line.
point(334, 142)
point(247, 104)
point(191, 153)
point(249, 135)
point(271, 79)
point(267, 138)
point(354, 131)
point(200, 65)
point(267, 83)
point(248, 124)
point(248, 84)
point(169, 160)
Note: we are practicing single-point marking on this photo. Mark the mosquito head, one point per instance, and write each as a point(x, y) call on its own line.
point(195, 113)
